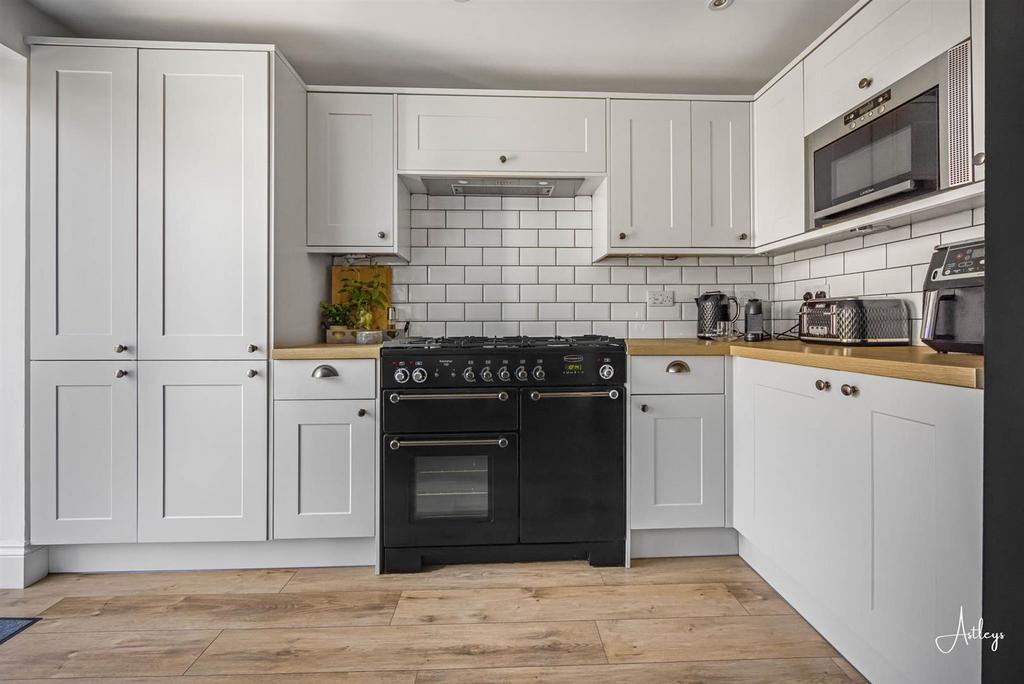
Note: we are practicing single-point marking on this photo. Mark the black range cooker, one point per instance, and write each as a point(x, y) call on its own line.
point(502, 449)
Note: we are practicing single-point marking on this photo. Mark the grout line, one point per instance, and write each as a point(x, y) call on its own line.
point(201, 654)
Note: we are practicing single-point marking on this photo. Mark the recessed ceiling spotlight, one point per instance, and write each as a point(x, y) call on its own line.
point(542, 182)
point(718, 4)
point(463, 182)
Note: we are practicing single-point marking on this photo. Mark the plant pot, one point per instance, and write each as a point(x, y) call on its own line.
point(369, 336)
point(339, 334)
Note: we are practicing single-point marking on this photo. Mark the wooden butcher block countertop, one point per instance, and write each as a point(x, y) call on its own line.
point(327, 352)
point(905, 362)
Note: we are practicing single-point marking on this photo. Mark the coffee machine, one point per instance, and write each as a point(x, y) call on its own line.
point(953, 319)
point(753, 322)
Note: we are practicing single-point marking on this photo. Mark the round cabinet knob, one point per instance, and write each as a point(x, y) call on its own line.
point(382, 235)
point(643, 408)
point(486, 374)
point(252, 373)
point(503, 374)
point(744, 236)
point(521, 374)
point(252, 348)
point(865, 83)
point(361, 413)
point(419, 375)
point(120, 349)
point(503, 159)
point(606, 371)
point(849, 390)
point(325, 371)
point(622, 236)
point(469, 375)
point(538, 373)
point(979, 159)
point(120, 373)
point(401, 375)
point(822, 385)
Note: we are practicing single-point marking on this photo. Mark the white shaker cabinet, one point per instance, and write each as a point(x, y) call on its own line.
point(82, 211)
point(779, 189)
point(882, 43)
point(720, 140)
point(502, 134)
point(677, 465)
point(324, 468)
point(203, 204)
point(83, 466)
point(202, 451)
point(649, 195)
point(351, 172)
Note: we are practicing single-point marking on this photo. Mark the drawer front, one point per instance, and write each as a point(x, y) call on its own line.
point(449, 133)
point(695, 375)
point(349, 379)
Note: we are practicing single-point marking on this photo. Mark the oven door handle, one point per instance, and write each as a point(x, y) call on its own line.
point(898, 189)
point(396, 444)
point(610, 394)
point(395, 397)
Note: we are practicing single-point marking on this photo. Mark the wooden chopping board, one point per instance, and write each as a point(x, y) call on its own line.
point(341, 273)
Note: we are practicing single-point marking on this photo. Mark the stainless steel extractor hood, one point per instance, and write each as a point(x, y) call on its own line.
point(505, 187)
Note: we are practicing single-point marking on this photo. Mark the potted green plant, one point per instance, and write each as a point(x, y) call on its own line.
point(364, 298)
point(336, 322)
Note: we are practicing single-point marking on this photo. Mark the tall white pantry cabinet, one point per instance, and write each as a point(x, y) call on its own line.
point(149, 222)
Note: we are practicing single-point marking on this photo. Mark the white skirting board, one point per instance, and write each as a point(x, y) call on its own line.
point(22, 565)
point(710, 541)
point(285, 553)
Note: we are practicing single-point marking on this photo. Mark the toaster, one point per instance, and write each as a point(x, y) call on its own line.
point(852, 320)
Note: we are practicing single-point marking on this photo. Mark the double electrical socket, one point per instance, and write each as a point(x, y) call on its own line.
point(661, 298)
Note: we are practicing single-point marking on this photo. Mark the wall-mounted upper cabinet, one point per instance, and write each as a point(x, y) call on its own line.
point(720, 140)
point(351, 173)
point(883, 42)
point(501, 134)
point(779, 159)
point(83, 202)
point(203, 204)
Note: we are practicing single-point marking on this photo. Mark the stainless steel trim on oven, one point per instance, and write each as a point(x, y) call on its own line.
point(395, 397)
point(898, 189)
point(396, 444)
point(537, 396)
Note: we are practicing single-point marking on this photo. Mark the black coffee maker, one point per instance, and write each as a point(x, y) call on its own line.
point(713, 308)
point(953, 319)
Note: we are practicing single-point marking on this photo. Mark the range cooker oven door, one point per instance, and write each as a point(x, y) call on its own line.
point(450, 489)
point(463, 410)
point(572, 465)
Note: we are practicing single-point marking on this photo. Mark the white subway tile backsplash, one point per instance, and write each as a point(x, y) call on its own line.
point(445, 312)
point(426, 293)
point(543, 220)
point(418, 202)
point(519, 312)
point(489, 311)
point(575, 293)
point(664, 275)
point(556, 238)
point(573, 256)
point(555, 274)
point(537, 328)
point(423, 329)
point(866, 259)
point(593, 311)
point(570, 328)
point(680, 328)
point(483, 274)
point(537, 293)
point(629, 311)
point(519, 203)
point(646, 329)
point(537, 256)
point(418, 237)
point(446, 237)
point(844, 245)
point(503, 256)
point(888, 280)
point(572, 219)
point(583, 203)
point(481, 237)
point(464, 293)
point(446, 203)
point(501, 328)
point(910, 252)
point(963, 234)
point(628, 274)
point(446, 274)
point(734, 274)
point(797, 270)
point(698, 275)
point(584, 238)
point(519, 275)
point(809, 252)
point(464, 256)
point(556, 203)
point(610, 293)
point(408, 274)
point(594, 275)
point(463, 328)
point(939, 224)
point(827, 265)
point(464, 219)
point(885, 236)
point(519, 238)
point(664, 313)
point(638, 293)
point(851, 285)
point(426, 219)
point(501, 293)
point(612, 328)
point(551, 311)
point(483, 203)
point(715, 261)
point(501, 219)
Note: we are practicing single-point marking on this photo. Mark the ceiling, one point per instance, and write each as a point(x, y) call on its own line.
point(669, 46)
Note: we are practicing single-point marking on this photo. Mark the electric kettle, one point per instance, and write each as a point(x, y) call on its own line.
point(712, 309)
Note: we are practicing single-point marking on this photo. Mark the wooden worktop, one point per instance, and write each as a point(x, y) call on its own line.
point(904, 362)
point(327, 352)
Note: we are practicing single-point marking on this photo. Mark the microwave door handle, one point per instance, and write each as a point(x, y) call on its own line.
point(898, 189)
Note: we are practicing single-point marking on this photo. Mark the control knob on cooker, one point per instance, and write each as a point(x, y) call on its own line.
point(419, 375)
point(521, 374)
point(401, 375)
point(503, 374)
point(469, 375)
point(486, 375)
point(538, 373)
point(606, 371)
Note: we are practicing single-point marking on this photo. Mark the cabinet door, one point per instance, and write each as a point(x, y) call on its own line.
point(649, 174)
point(779, 186)
point(883, 42)
point(202, 451)
point(720, 136)
point(83, 429)
point(677, 457)
point(203, 207)
point(351, 171)
point(323, 469)
point(923, 447)
point(507, 134)
point(83, 137)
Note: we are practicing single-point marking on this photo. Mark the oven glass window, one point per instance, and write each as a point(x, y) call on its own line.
point(451, 487)
point(888, 156)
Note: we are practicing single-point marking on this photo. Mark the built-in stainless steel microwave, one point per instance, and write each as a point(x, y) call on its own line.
point(911, 139)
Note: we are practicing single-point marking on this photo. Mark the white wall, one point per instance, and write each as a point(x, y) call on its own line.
point(19, 19)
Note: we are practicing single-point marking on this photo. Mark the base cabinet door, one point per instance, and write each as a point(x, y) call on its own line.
point(324, 469)
point(677, 457)
point(202, 451)
point(82, 445)
point(203, 204)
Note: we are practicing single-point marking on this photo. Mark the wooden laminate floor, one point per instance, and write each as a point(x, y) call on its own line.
point(664, 620)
